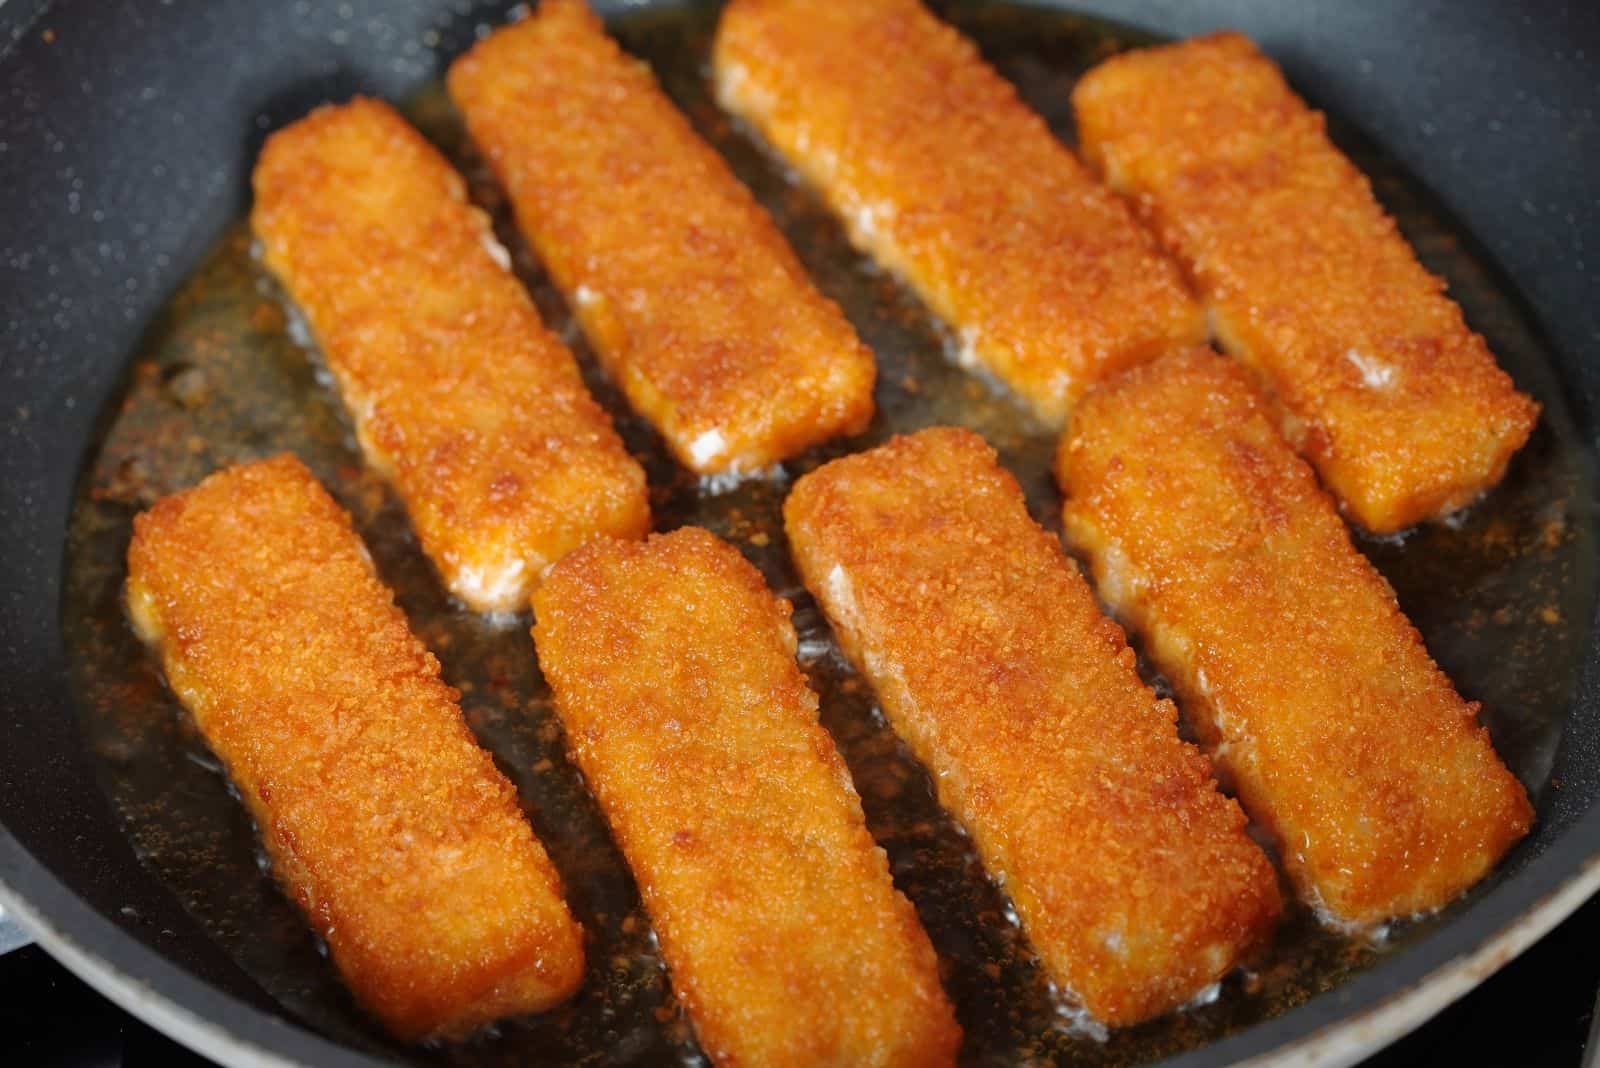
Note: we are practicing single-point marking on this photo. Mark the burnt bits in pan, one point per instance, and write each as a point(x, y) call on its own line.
point(1501, 596)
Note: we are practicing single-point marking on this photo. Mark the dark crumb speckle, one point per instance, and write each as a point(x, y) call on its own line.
point(219, 377)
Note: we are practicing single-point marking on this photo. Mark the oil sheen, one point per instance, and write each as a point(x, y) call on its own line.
point(1501, 595)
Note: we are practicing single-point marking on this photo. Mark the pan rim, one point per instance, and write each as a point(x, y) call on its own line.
point(1374, 1009)
point(1568, 858)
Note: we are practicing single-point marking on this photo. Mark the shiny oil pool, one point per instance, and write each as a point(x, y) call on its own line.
point(1502, 596)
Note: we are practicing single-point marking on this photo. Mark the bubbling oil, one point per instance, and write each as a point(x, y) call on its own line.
point(223, 375)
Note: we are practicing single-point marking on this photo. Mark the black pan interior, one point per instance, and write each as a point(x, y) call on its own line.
point(127, 174)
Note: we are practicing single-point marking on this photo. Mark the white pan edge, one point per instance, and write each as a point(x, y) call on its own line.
point(136, 997)
point(1350, 1040)
point(1337, 1046)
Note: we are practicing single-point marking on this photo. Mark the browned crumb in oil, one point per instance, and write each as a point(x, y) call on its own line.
point(191, 835)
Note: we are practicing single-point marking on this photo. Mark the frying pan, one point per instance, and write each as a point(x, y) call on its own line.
point(127, 130)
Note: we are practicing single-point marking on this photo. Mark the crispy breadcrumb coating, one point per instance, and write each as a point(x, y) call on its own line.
point(1310, 688)
point(1133, 876)
point(683, 284)
point(1382, 385)
point(673, 670)
point(386, 823)
point(944, 176)
point(459, 395)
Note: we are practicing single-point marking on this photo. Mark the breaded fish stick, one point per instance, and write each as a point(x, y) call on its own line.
point(946, 178)
point(1304, 679)
point(683, 284)
point(673, 670)
point(1132, 874)
point(459, 395)
point(386, 824)
point(1379, 381)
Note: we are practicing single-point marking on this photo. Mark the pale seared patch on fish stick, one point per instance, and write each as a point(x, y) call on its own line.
point(1213, 539)
point(1382, 385)
point(459, 395)
point(1133, 876)
point(683, 284)
point(386, 823)
point(673, 670)
point(945, 177)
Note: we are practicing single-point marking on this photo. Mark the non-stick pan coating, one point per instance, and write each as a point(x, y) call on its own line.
point(125, 170)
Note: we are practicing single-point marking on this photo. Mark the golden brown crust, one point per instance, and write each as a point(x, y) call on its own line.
point(1312, 689)
point(386, 823)
point(459, 394)
point(1396, 402)
point(682, 283)
point(948, 179)
point(1132, 874)
point(673, 670)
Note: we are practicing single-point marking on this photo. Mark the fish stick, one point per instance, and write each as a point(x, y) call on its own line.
point(946, 178)
point(1378, 380)
point(459, 395)
point(385, 822)
point(1306, 683)
point(1132, 875)
point(682, 283)
point(674, 673)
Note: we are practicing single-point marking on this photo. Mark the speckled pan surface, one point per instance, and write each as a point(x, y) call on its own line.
point(140, 350)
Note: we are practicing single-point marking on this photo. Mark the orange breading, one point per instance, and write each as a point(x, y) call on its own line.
point(682, 283)
point(673, 670)
point(1133, 876)
point(944, 176)
point(1213, 539)
point(1398, 404)
point(386, 824)
point(459, 395)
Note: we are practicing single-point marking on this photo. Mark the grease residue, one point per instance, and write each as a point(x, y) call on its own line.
point(1500, 596)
